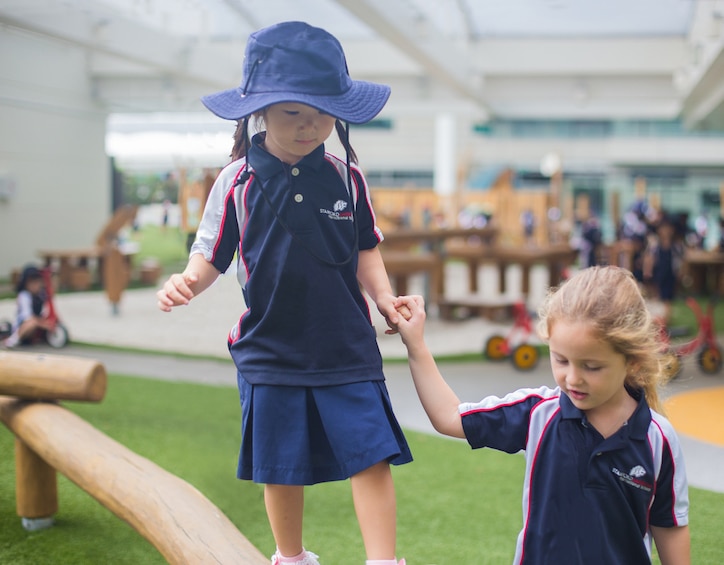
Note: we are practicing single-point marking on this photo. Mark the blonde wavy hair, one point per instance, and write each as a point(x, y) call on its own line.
point(609, 299)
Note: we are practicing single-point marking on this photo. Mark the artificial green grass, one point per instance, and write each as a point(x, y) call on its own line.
point(167, 246)
point(454, 505)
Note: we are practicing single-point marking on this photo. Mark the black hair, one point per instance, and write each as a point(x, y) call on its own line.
point(30, 272)
point(242, 142)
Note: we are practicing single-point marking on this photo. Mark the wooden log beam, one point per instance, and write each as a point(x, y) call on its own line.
point(170, 513)
point(56, 377)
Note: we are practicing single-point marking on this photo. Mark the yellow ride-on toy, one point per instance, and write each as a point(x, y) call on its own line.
point(515, 345)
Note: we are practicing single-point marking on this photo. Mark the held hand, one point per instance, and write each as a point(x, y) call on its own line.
point(411, 326)
point(386, 307)
point(176, 290)
point(404, 313)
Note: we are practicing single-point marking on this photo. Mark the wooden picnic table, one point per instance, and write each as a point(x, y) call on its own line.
point(556, 257)
point(74, 267)
point(437, 237)
point(411, 251)
point(78, 268)
point(706, 269)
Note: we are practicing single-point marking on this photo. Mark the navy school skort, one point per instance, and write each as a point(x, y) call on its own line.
point(306, 435)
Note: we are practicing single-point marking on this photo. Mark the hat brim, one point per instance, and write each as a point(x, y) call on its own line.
point(362, 102)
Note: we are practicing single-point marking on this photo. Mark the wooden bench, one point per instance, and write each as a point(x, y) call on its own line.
point(705, 270)
point(73, 266)
point(412, 251)
point(401, 265)
point(557, 258)
point(494, 309)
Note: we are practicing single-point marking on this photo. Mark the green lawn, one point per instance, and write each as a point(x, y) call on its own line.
point(453, 503)
point(167, 246)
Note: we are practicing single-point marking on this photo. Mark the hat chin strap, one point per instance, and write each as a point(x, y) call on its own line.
point(254, 65)
point(245, 175)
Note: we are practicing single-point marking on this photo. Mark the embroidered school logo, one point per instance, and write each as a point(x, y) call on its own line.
point(633, 478)
point(338, 211)
point(638, 471)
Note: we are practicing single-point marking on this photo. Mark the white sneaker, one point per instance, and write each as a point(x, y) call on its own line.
point(11, 341)
point(308, 559)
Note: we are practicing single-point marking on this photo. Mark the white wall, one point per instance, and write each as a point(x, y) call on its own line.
point(51, 150)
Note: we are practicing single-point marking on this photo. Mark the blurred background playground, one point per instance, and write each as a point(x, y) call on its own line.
point(522, 141)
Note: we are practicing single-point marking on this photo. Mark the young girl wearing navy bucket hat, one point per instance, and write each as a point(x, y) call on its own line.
point(315, 407)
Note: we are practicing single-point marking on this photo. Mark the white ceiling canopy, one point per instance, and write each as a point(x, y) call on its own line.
point(475, 19)
point(543, 59)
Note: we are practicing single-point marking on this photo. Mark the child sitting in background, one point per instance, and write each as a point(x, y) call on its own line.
point(31, 302)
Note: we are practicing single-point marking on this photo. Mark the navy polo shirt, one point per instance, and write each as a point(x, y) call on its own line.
point(307, 322)
point(586, 499)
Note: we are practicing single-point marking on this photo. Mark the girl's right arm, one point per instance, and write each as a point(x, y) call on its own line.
point(673, 545)
point(180, 288)
point(438, 399)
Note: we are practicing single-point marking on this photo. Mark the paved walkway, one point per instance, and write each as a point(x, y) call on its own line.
point(201, 329)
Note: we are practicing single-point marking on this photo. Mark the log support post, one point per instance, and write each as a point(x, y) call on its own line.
point(36, 488)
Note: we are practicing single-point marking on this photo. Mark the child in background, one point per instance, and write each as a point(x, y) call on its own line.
point(663, 260)
point(315, 407)
point(31, 301)
point(604, 470)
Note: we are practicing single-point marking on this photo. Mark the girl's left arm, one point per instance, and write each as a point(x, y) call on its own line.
point(372, 275)
point(673, 544)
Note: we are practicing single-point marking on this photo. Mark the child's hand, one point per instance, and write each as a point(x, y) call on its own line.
point(411, 327)
point(403, 310)
point(176, 290)
point(388, 307)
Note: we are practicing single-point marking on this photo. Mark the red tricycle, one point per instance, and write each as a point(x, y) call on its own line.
point(54, 333)
point(515, 345)
point(704, 344)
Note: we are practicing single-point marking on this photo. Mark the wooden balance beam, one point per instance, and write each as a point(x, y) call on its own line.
point(170, 513)
point(39, 377)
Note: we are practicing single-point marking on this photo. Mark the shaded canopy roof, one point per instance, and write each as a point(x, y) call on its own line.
point(543, 59)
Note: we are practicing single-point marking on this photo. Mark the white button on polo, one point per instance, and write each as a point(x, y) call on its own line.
point(295, 172)
point(298, 198)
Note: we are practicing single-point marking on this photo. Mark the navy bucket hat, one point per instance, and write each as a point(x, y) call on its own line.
point(296, 62)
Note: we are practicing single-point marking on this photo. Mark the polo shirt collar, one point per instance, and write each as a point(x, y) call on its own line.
point(265, 165)
point(638, 423)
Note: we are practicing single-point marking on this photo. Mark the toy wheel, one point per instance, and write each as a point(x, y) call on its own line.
point(496, 348)
point(57, 337)
point(525, 357)
point(672, 365)
point(710, 359)
point(6, 328)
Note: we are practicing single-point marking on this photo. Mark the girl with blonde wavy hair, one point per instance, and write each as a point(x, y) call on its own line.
point(604, 470)
point(609, 299)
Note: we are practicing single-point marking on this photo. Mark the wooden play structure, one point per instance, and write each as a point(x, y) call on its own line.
point(171, 514)
point(193, 193)
point(423, 233)
point(108, 262)
point(115, 261)
point(401, 208)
